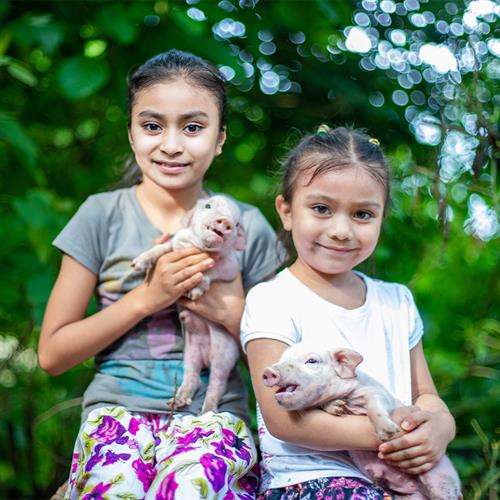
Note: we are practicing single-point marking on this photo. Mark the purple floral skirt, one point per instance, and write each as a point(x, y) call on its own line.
point(121, 454)
point(328, 488)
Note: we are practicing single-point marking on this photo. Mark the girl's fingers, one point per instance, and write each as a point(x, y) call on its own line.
point(420, 469)
point(179, 255)
point(190, 282)
point(413, 420)
point(402, 455)
point(162, 239)
point(185, 272)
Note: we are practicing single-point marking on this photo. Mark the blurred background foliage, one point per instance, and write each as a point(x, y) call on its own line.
point(421, 76)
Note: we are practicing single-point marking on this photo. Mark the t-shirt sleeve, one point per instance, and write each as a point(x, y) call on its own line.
point(82, 238)
point(415, 324)
point(261, 256)
point(266, 317)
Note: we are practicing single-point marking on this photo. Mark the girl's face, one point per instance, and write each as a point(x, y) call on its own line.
point(335, 220)
point(175, 134)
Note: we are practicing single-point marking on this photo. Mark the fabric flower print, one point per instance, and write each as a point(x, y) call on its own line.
point(220, 449)
point(144, 471)
point(166, 491)
point(109, 431)
point(193, 436)
point(97, 492)
point(215, 470)
point(242, 449)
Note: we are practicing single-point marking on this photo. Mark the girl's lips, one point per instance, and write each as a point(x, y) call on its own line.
point(170, 167)
point(336, 249)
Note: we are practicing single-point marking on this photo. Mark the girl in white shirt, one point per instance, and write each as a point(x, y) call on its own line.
point(334, 198)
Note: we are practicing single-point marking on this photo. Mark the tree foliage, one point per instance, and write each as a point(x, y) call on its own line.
point(419, 75)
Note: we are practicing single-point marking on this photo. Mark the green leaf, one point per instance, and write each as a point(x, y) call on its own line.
point(24, 148)
point(21, 72)
point(115, 22)
point(80, 77)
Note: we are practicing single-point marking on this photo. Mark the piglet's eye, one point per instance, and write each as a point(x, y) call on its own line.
point(207, 205)
point(311, 361)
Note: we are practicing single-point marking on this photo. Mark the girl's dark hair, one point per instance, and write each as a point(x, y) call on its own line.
point(332, 149)
point(169, 66)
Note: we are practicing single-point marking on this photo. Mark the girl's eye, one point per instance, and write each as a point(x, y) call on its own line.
point(363, 215)
point(321, 209)
point(193, 128)
point(311, 361)
point(152, 127)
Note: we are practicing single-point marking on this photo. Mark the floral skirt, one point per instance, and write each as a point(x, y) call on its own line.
point(121, 454)
point(328, 488)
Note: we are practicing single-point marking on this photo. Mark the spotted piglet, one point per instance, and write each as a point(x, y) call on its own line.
point(308, 377)
point(213, 225)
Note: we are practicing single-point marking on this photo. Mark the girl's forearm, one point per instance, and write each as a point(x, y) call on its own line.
point(318, 430)
point(77, 341)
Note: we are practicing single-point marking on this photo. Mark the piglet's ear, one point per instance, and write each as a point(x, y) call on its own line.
point(347, 361)
point(241, 240)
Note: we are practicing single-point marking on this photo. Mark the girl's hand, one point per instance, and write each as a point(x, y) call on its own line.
point(173, 275)
point(422, 444)
point(223, 303)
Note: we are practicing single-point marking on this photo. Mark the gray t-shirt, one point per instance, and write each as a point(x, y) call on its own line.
point(142, 369)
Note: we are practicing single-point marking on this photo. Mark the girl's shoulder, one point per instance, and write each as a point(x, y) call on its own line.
point(107, 205)
point(391, 293)
point(275, 289)
point(110, 198)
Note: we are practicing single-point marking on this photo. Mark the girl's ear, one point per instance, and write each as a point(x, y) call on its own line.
point(220, 141)
point(284, 211)
point(131, 142)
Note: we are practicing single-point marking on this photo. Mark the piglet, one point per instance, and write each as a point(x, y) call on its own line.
point(307, 377)
point(213, 225)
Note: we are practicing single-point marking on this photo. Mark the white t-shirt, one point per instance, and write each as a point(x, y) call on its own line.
point(384, 330)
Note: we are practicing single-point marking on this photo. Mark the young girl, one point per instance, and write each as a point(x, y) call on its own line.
point(335, 193)
point(129, 446)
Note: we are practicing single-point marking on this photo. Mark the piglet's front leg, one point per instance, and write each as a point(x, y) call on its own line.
point(336, 407)
point(376, 409)
point(147, 259)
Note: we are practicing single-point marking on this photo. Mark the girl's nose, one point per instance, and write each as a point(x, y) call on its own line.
point(171, 143)
point(340, 228)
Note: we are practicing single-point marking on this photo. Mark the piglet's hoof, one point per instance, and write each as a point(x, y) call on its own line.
point(194, 294)
point(388, 431)
point(178, 402)
point(141, 264)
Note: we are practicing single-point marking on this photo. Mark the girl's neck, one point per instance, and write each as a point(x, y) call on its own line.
point(346, 290)
point(165, 208)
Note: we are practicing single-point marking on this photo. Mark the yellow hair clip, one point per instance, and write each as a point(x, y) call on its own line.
point(323, 129)
point(372, 140)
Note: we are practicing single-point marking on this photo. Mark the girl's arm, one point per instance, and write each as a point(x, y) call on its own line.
point(428, 430)
point(314, 428)
point(69, 338)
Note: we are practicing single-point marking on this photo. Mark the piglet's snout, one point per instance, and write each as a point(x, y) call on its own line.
point(270, 377)
point(223, 225)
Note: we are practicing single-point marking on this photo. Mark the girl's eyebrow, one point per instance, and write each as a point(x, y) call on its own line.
point(323, 197)
point(148, 113)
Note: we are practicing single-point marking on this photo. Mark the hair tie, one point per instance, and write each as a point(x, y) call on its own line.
point(374, 141)
point(323, 129)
